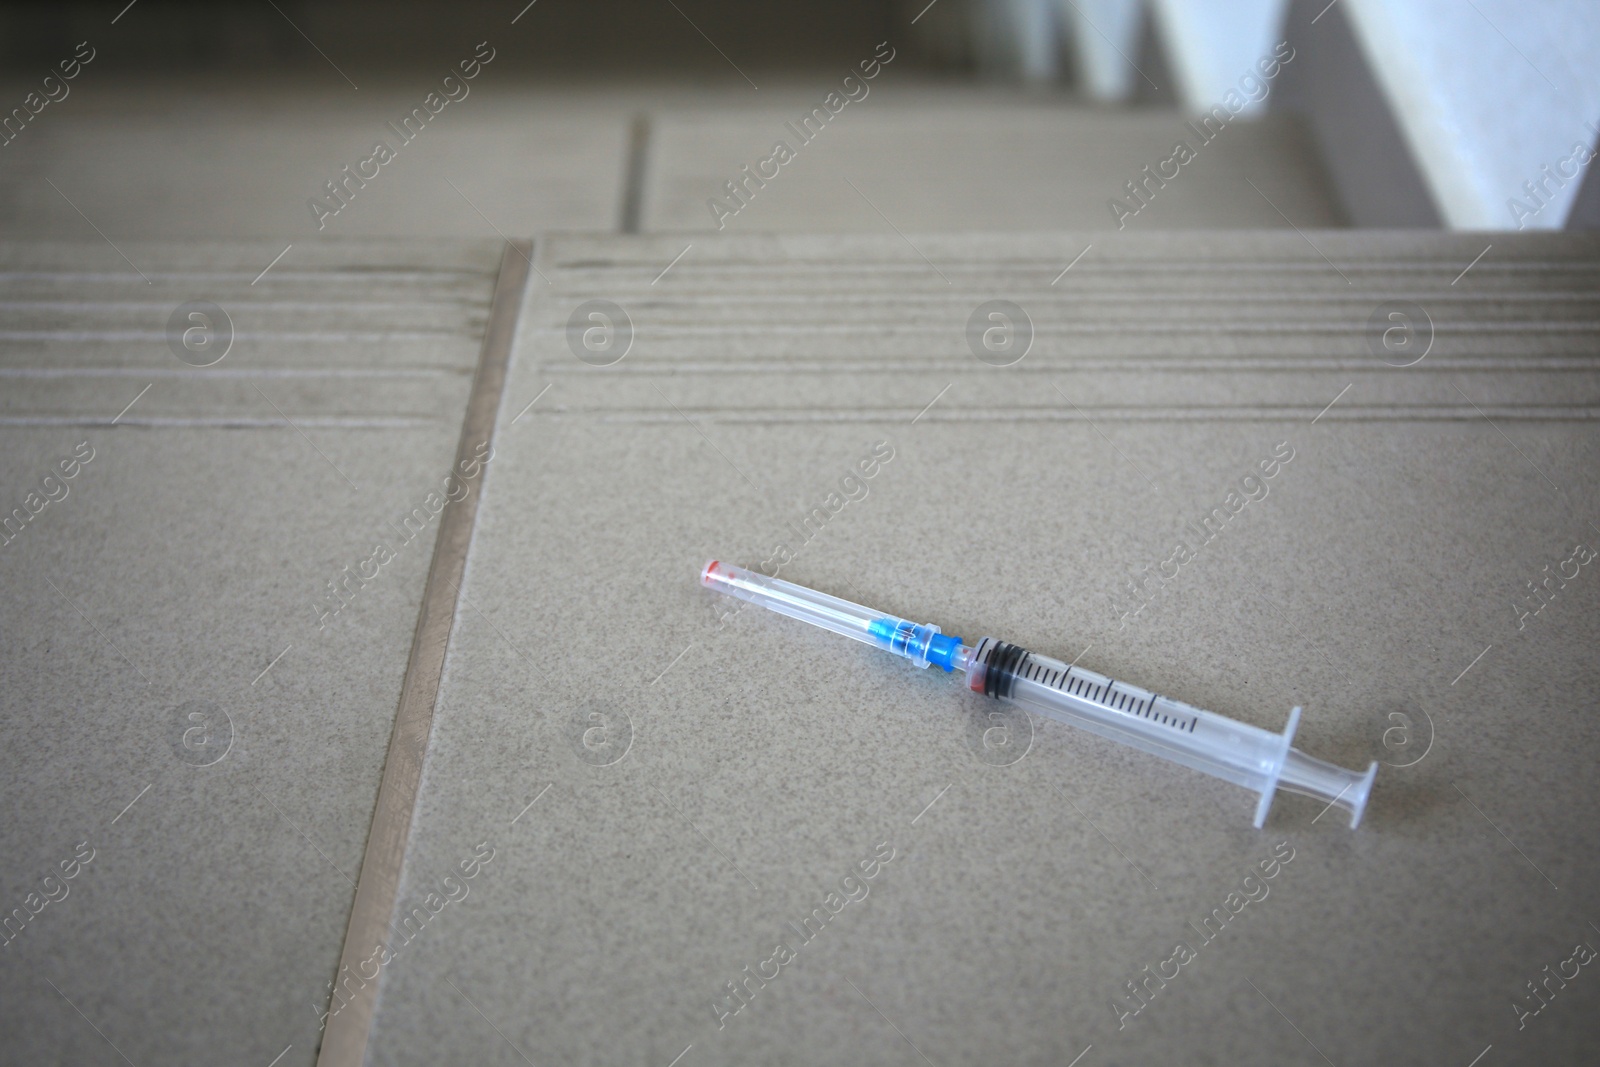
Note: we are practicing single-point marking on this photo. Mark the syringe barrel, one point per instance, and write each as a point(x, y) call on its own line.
point(1245, 755)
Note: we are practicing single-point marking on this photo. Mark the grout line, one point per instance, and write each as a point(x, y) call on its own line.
point(517, 246)
point(633, 174)
point(344, 1044)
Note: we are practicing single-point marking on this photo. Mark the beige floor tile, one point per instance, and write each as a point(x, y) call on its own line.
point(171, 697)
point(967, 163)
point(697, 784)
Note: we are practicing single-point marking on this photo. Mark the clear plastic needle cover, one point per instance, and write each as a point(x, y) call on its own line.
point(1248, 756)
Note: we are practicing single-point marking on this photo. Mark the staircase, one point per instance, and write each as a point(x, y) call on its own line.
point(365, 655)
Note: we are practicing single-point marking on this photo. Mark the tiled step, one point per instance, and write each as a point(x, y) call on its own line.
point(659, 786)
point(182, 690)
point(964, 165)
point(668, 786)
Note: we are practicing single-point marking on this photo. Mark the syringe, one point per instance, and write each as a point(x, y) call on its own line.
point(1237, 752)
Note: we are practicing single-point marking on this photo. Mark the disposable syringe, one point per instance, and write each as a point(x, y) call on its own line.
point(1237, 752)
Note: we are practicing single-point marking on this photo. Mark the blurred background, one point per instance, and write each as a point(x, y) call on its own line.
point(227, 119)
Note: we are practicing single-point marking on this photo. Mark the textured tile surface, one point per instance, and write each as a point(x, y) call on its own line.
point(173, 160)
point(968, 163)
point(698, 782)
point(226, 804)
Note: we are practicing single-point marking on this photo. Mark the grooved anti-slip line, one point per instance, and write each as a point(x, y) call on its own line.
point(344, 1043)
